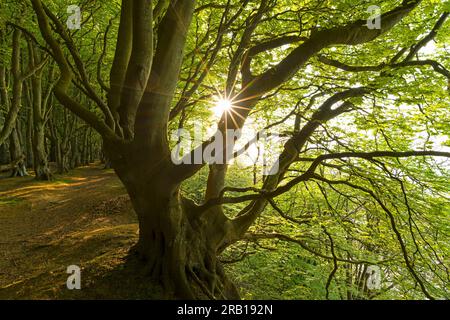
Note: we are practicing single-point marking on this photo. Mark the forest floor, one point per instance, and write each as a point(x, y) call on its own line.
point(84, 218)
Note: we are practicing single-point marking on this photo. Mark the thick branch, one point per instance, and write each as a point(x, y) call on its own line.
point(139, 65)
point(418, 63)
point(153, 110)
point(351, 34)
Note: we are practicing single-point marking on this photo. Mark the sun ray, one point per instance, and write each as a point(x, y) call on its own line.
point(234, 121)
point(241, 107)
point(237, 113)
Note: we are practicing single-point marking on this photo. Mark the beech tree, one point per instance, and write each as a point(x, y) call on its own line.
point(311, 56)
point(13, 104)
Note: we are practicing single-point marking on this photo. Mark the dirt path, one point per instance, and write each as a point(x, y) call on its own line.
point(83, 219)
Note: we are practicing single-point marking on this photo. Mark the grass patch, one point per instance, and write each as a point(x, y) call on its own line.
point(62, 181)
point(10, 201)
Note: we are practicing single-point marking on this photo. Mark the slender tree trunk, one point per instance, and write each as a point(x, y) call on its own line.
point(52, 152)
point(90, 148)
point(74, 156)
point(29, 138)
point(4, 155)
point(85, 154)
point(61, 156)
point(41, 168)
point(14, 105)
point(104, 158)
point(16, 153)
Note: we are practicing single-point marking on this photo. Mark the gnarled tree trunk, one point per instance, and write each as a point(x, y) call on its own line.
point(177, 246)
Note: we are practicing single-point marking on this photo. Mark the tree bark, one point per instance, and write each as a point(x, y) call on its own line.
point(41, 168)
point(178, 247)
point(17, 155)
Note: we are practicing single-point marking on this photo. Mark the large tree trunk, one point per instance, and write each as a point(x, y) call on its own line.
point(179, 250)
point(176, 245)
